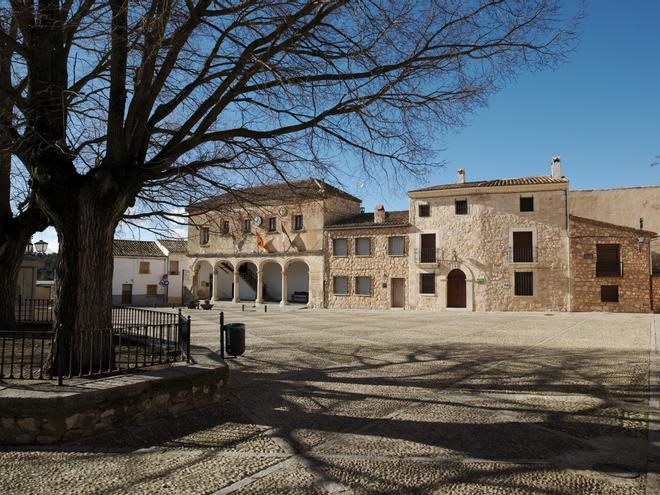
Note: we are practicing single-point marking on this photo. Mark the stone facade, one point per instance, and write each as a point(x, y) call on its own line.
point(479, 244)
point(225, 237)
point(622, 206)
point(634, 281)
point(378, 265)
point(655, 292)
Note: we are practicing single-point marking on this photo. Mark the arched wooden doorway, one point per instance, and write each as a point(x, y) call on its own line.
point(456, 294)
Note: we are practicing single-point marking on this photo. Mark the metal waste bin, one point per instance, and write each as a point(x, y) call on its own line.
point(235, 333)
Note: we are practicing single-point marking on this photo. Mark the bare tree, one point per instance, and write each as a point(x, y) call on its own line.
point(112, 100)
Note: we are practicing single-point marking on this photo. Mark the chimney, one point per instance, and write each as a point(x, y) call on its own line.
point(379, 214)
point(556, 167)
point(460, 176)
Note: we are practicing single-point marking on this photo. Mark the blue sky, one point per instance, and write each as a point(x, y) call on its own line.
point(599, 111)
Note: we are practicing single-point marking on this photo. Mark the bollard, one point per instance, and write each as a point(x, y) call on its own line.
point(265, 308)
point(242, 307)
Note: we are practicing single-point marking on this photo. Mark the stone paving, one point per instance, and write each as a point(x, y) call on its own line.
point(370, 402)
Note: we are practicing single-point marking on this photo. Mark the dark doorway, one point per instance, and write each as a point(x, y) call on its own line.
point(127, 294)
point(398, 292)
point(456, 295)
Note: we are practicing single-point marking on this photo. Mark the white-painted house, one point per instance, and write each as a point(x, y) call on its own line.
point(148, 273)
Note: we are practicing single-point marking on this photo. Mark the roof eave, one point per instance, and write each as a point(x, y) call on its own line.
point(466, 191)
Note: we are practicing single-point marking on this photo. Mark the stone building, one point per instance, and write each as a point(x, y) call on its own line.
point(264, 243)
point(635, 207)
point(366, 261)
point(498, 245)
point(610, 267)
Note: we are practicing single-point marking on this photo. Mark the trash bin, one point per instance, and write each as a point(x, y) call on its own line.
point(235, 333)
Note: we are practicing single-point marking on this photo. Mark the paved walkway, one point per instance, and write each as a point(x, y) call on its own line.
point(390, 402)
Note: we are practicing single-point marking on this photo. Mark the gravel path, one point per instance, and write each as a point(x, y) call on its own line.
point(359, 402)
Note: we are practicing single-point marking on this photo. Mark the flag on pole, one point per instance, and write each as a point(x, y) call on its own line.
point(286, 234)
point(260, 243)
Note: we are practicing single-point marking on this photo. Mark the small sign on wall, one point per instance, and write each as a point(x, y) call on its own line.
point(480, 280)
point(588, 256)
point(506, 285)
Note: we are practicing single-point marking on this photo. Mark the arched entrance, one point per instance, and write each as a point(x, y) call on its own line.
point(297, 274)
point(272, 280)
point(247, 273)
point(456, 289)
point(204, 280)
point(224, 290)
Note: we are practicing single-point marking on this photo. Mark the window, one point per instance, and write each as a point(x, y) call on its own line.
point(396, 246)
point(362, 246)
point(152, 290)
point(427, 250)
point(204, 235)
point(247, 225)
point(298, 222)
point(608, 260)
point(363, 286)
point(144, 267)
point(272, 224)
point(225, 227)
point(527, 204)
point(461, 206)
point(340, 247)
point(524, 284)
point(609, 293)
point(427, 283)
point(174, 268)
point(523, 247)
point(424, 210)
point(340, 285)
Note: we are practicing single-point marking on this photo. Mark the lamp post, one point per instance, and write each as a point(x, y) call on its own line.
point(40, 247)
point(29, 249)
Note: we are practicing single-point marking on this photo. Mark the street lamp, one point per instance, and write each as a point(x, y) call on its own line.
point(29, 249)
point(40, 246)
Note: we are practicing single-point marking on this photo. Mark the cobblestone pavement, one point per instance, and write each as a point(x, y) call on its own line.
point(388, 402)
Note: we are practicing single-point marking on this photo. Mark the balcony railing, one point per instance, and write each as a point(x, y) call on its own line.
point(523, 254)
point(427, 255)
point(609, 268)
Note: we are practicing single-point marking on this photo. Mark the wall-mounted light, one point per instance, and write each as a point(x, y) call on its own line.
point(640, 241)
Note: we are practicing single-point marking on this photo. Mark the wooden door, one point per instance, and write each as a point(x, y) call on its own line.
point(127, 294)
point(398, 287)
point(456, 294)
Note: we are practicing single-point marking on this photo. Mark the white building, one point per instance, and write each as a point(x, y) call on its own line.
point(148, 273)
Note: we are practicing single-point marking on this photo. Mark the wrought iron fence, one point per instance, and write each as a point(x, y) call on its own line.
point(33, 310)
point(151, 338)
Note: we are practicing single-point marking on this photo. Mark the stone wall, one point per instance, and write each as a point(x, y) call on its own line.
point(379, 265)
point(47, 414)
point(634, 285)
point(655, 290)
point(479, 244)
point(621, 206)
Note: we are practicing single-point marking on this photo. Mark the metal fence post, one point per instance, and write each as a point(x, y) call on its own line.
point(188, 342)
point(222, 334)
point(58, 353)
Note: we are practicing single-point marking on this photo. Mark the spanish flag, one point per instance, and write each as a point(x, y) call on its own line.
point(261, 244)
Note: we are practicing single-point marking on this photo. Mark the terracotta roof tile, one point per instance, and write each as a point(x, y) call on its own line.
point(520, 181)
point(281, 192)
point(143, 249)
point(366, 220)
point(599, 223)
point(175, 245)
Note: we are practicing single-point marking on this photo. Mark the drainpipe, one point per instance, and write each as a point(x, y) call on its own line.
point(568, 252)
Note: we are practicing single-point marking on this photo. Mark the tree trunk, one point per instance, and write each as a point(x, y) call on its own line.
point(10, 263)
point(83, 310)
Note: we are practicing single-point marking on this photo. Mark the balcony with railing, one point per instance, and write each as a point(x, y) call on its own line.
point(427, 255)
point(527, 254)
point(609, 268)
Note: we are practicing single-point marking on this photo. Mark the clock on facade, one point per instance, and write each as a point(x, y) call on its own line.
point(283, 211)
point(257, 220)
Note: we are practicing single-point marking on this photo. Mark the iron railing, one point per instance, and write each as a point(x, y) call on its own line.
point(33, 310)
point(523, 254)
point(151, 338)
point(427, 255)
point(609, 268)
